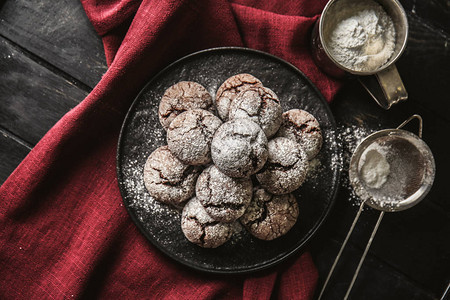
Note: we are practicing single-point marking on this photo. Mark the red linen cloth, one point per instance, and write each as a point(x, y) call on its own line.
point(64, 230)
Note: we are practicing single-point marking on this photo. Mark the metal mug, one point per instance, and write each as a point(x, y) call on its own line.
point(393, 90)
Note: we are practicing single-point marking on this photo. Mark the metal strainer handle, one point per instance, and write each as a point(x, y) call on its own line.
point(418, 117)
point(369, 243)
point(338, 256)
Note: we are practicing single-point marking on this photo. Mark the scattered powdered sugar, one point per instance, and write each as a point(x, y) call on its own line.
point(334, 142)
point(364, 37)
point(350, 137)
point(136, 188)
point(132, 174)
point(322, 163)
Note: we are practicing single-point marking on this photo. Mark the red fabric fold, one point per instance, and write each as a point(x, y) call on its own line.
point(65, 232)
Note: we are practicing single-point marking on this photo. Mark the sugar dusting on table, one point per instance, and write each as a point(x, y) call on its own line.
point(350, 137)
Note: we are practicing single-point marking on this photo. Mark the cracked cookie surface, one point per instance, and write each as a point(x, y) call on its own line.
point(302, 127)
point(199, 228)
point(270, 216)
point(180, 97)
point(286, 167)
point(167, 179)
point(190, 134)
point(230, 88)
point(239, 148)
point(259, 104)
point(224, 198)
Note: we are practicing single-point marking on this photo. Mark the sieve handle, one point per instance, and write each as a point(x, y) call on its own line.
point(366, 250)
point(338, 256)
point(369, 243)
point(418, 117)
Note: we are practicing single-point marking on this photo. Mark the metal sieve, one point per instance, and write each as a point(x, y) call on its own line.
point(405, 177)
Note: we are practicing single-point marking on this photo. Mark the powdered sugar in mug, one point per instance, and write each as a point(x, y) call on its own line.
point(363, 37)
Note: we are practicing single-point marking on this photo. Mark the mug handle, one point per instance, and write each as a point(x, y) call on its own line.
point(392, 86)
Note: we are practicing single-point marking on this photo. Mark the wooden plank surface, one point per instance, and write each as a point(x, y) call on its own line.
point(32, 97)
point(425, 66)
point(377, 279)
point(436, 12)
point(12, 152)
point(57, 31)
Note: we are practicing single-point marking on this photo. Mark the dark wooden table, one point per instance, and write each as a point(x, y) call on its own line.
point(51, 58)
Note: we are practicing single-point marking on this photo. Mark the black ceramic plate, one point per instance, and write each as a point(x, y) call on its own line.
point(142, 133)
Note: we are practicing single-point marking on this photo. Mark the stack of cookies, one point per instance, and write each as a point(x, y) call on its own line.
point(235, 158)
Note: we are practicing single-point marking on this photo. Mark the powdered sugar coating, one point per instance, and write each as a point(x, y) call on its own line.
point(190, 134)
point(225, 198)
point(230, 88)
point(180, 97)
point(362, 36)
point(286, 167)
point(270, 216)
point(239, 148)
point(302, 127)
point(167, 179)
point(261, 105)
point(199, 228)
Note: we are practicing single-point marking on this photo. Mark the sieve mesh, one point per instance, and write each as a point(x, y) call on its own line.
point(406, 164)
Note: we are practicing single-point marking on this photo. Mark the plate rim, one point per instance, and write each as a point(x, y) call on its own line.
point(311, 233)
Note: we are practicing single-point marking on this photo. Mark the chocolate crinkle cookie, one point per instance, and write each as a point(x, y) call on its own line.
point(190, 134)
point(225, 198)
point(199, 228)
point(230, 88)
point(239, 148)
point(261, 105)
point(270, 216)
point(167, 179)
point(286, 167)
point(302, 127)
point(183, 96)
